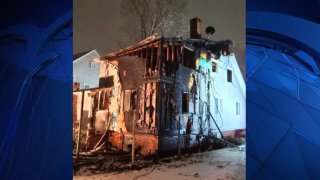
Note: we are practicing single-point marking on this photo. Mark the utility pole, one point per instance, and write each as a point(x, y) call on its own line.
point(80, 122)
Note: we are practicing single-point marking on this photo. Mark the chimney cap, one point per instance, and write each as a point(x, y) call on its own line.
point(195, 18)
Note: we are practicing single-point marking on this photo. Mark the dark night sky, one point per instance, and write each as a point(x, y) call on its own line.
point(97, 23)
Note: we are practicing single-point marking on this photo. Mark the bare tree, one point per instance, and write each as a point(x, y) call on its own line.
point(144, 18)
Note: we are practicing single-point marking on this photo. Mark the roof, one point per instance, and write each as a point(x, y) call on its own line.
point(142, 43)
point(76, 56)
point(214, 46)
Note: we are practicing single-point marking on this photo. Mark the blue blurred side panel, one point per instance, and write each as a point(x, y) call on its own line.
point(283, 90)
point(36, 90)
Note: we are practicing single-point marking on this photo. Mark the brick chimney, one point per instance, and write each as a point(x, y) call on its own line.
point(195, 29)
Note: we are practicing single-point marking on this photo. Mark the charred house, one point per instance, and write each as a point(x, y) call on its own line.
point(164, 94)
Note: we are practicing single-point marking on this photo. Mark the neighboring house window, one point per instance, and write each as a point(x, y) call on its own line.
point(229, 75)
point(93, 65)
point(214, 67)
point(216, 101)
point(185, 102)
point(86, 86)
point(218, 105)
point(221, 107)
point(237, 108)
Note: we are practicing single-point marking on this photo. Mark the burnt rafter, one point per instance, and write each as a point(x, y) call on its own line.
point(215, 47)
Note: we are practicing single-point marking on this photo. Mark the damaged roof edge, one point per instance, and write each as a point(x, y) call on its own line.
point(156, 38)
point(148, 40)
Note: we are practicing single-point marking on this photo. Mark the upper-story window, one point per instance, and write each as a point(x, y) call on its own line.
point(214, 66)
point(218, 106)
point(185, 102)
point(229, 75)
point(106, 81)
point(93, 65)
point(189, 58)
point(237, 108)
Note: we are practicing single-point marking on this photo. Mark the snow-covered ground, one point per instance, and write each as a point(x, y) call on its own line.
point(223, 164)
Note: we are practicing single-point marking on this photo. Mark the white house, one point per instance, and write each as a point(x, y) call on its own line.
point(227, 93)
point(86, 70)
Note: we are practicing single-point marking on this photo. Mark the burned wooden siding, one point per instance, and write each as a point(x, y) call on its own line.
point(98, 108)
point(165, 78)
point(138, 75)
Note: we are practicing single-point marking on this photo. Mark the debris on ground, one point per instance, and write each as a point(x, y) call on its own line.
point(227, 163)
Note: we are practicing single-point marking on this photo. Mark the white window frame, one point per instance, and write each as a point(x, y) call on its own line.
point(218, 105)
point(93, 65)
point(86, 84)
point(228, 76)
point(221, 106)
point(237, 108)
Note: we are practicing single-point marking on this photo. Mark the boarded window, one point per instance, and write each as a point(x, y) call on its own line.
point(185, 102)
point(229, 76)
point(237, 108)
point(189, 59)
point(106, 81)
point(214, 67)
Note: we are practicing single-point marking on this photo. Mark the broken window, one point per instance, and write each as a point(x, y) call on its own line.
point(101, 100)
point(229, 75)
point(154, 59)
point(214, 67)
point(130, 100)
point(106, 81)
point(189, 59)
point(133, 100)
point(237, 108)
point(185, 102)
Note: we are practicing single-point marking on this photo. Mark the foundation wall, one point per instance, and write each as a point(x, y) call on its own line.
point(145, 144)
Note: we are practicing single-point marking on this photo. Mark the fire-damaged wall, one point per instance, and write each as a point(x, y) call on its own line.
point(139, 106)
point(209, 93)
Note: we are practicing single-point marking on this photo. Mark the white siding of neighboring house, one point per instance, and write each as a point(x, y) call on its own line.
point(230, 94)
point(227, 94)
point(83, 73)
